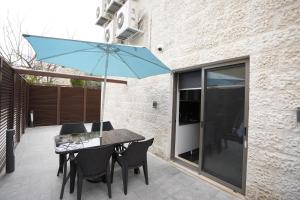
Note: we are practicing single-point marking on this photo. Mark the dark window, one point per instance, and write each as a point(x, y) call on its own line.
point(189, 106)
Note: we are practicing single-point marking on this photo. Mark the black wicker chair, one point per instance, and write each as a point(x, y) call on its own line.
point(93, 163)
point(133, 157)
point(106, 126)
point(68, 129)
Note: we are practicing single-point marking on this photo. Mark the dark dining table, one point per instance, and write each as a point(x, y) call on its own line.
point(71, 144)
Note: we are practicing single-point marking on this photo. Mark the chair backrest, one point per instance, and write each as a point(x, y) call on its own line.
point(94, 161)
point(72, 128)
point(106, 126)
point(136, 153)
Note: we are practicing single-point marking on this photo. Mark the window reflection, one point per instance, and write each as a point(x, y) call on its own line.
point(230, 76)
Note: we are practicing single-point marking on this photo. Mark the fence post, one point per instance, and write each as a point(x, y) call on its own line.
point(28, 98)
point(84, 104)
point(16, 108)
point(1, 64)
point(27, 103)
point(20, 107)
point(12, 103)
point(58, 105)
point(24, 105)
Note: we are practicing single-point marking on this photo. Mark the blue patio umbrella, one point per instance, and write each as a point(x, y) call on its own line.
point(99, 59)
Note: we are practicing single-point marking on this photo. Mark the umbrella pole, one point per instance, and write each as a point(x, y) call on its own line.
point(103, 91)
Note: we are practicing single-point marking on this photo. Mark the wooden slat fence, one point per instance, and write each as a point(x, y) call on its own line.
point(54, 105)
point(51, 105)
point(13, 101)
point(43, 101)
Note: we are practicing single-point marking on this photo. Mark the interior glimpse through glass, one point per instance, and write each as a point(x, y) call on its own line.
point(188, 121)
point(189, 107)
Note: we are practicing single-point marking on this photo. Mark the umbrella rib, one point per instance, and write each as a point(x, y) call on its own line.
point(145, 60)
point(128, 66)
point(67, 53)
point(92, 51)
point(97, 63)
point(99, 47)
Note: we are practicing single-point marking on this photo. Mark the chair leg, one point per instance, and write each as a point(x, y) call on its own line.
point(72, 175)
point(65, 166)
point(108, 183)
point(113, 161)
point(58, 171)
point(125, 178)
point(145, 169)
point(79, 186)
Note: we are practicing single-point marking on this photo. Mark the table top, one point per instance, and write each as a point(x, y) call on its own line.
point(72, 143)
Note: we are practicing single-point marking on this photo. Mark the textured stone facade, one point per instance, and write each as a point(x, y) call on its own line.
point(199, 32)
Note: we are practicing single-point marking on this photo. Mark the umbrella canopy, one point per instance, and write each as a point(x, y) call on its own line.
point(98, 59)
point(90, 57)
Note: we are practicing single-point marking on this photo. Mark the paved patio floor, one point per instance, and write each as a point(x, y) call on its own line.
point(36, 166)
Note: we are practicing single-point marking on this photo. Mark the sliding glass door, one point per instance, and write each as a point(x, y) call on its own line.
point(211, 121)
point(223, 131)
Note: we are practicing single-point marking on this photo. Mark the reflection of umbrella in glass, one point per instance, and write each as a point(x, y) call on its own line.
point(217, 78)
point(98, 59)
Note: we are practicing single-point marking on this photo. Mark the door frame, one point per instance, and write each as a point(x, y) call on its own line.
point(175, 108)
point(203, 67)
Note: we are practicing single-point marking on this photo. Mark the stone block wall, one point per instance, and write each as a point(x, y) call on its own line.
point(202, 31)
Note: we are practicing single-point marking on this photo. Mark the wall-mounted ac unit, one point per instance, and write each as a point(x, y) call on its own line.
point(127, 21)
point(113, 6)
point(109, 34)
point(102, 16)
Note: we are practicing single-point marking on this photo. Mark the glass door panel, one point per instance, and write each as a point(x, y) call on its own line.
point(224, 129)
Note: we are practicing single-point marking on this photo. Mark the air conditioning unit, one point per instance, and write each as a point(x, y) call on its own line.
point(113, 6)
point(127, 21)
point(102, 16)
point(109, 33)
